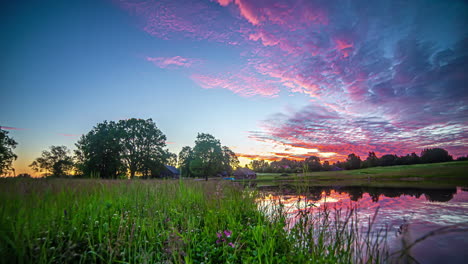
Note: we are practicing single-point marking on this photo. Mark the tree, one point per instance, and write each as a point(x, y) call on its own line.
point(57, 161)
point(185, 157)
point(435, 155)
point(388, 160)
point(99, 152)
point(259, 165)
point(372, 160)
point(230, 160)
point(208, 156)
point(326, 166)
point(313, 163)
point(7, 156)
point(142, 146)
point(353, 162)
point(171, 158)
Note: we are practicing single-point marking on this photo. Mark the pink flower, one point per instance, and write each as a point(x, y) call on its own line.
point(231, 244)
point(227, 233)
point(219, 235)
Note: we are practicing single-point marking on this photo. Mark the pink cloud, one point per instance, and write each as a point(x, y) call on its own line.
point(11, 128)
point(243, 85)
point(177, 61)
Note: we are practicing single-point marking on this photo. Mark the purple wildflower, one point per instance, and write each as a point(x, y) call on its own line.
point(231, 244)
point(219, 235)
point(228, 233)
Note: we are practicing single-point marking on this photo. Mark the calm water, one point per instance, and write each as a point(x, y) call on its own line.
point(418, 211)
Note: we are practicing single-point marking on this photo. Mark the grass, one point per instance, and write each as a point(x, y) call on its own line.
point(419, 175)
point(123, 221)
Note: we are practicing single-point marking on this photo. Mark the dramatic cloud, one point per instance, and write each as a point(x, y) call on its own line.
point(177, 61)
point(387, 76)
point(243, 85)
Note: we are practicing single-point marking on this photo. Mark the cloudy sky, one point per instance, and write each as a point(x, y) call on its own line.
point(270, 79)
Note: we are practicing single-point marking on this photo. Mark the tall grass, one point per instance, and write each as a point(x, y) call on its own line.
point(122, 221)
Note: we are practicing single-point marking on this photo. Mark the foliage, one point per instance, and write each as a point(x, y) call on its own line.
point(171, 158)
point(184, 160)
point(7, 156)
point(353, 162)
point(230, 162)
point(313, 163)
point(435, 155)
point(56, 162)
point(142, 146)
point(208, 156)
point(99, 152)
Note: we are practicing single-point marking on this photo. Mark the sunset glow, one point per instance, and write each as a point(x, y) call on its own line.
point(271, 79)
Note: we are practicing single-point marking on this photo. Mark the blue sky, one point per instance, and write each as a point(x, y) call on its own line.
point(268, 78)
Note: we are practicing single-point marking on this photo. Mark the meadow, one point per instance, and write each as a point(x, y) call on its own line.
point(166, 221)
point(432, 175)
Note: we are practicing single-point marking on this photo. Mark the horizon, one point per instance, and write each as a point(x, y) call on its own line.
point(269, 79)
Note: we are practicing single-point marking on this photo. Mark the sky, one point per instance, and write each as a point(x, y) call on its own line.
point(270, 79)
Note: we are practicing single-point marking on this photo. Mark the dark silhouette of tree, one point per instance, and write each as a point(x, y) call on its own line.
point(99, 152)
point(185, 157)
point(435, 155)
point(353, 162)
point(57, 162)
point(208, 156)
point(230, 161)
point(326, 166)
point(142, 146)
point(313, 163)
point(388, 160)
point(7, 156)
point(372, 160)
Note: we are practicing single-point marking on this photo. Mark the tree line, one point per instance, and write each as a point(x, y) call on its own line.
point(352, 162)
point(127, 148)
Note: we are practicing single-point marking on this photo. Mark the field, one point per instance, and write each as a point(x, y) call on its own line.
point(436, 175)
point(188, 221)
point(143, 221)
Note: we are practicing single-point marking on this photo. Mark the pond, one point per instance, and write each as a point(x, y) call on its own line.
point(437, 217)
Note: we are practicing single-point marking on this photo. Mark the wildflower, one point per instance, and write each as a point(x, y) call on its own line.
point(231, 244)
point(219, 235)
point(228, 233)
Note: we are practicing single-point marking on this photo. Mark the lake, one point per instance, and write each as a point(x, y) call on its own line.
point(407, 214)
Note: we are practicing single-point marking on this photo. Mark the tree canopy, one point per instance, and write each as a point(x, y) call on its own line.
point(99, 152)
point(7, 144)
point(56, 162)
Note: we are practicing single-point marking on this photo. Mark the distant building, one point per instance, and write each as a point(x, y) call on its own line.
point(244, 173)
point(170, 172)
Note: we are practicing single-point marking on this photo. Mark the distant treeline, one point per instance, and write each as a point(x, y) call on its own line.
point(313, 163)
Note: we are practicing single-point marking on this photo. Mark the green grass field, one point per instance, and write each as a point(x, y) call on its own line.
point(419, 175)
point(125, 221)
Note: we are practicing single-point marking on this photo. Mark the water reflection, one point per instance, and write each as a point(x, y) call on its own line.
point(356, 193)
point(419, 210)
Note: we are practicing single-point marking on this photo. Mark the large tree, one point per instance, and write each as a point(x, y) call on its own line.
point(208, 156)
point(56, 161)
point(313, 163)
point(142, 146)
point(7, 156)
point(435, 155)
point(99, 152)
point(353, 162)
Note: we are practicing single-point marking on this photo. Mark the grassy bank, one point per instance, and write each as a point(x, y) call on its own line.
point(420, 175)
point(98, 221)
